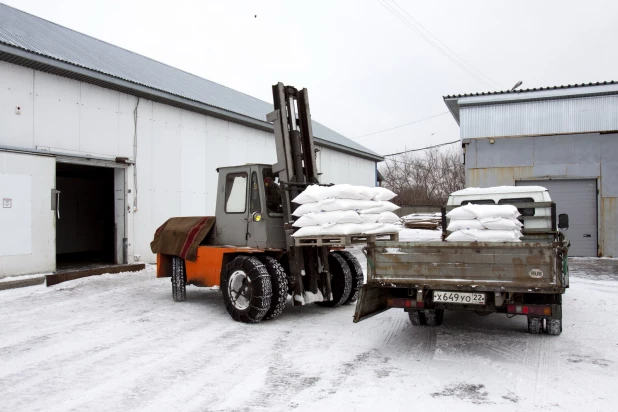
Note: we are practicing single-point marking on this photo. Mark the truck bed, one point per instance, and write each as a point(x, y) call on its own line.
point(467, 266)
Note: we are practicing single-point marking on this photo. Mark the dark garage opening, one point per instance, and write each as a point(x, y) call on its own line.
point(85, 232)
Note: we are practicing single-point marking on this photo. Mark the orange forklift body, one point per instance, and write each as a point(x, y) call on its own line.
point(206, 270)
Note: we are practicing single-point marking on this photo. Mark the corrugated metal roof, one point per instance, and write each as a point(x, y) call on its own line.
point(36, 35)
point(536, 89)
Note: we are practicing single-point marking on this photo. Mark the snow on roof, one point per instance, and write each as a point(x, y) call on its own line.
point(498, 190)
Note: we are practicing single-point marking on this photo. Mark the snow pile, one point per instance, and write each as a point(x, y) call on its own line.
point(345, 210)
point(484, 223)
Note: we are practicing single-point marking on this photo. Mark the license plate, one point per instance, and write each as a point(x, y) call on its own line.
point(459, 297)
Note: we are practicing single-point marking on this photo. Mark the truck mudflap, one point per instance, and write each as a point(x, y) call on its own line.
point(371, 301)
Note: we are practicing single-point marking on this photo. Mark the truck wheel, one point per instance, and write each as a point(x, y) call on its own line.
point(553, 326)
point(247, 289)
point(358, 279)
point(417, 318)
point(179, 279)
point(340, 281)
point(535, 325)
point(279, 283)
point(434, 317)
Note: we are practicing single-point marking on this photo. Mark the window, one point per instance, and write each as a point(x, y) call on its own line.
point(256, 207)
point(236, 193)
point(272, 189)
point(528, 211)
point(478, 202)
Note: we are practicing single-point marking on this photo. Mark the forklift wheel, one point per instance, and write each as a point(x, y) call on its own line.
point(279, 283)
point(179, 279)
point(246, 288)
point(358, 279)
point(340, 281)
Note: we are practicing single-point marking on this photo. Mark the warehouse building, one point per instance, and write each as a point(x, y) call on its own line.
point(563, 138)
point(99, 146)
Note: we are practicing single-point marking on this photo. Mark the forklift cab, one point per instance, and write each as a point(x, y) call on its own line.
point(249, 208)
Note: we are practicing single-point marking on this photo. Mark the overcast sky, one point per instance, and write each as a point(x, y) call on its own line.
point(365, 69)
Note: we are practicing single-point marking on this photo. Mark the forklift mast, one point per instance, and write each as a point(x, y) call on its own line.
point(297, 169)
point(296, 163)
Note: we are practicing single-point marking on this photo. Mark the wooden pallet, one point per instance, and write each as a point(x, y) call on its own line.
point(343, 240)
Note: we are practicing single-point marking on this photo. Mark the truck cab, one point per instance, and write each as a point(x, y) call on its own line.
point(509, 195)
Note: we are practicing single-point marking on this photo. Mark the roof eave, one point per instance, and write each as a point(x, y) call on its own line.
point(453, 107)
point(47, 64)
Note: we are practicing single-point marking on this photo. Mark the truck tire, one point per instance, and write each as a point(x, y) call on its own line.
point(535, 325)
point(340, 281)
point(553, 326)
point(434, 317)
point(279, 283)
point(358, 278)
point(417, 318)
point(179, 279)
point(246, 288)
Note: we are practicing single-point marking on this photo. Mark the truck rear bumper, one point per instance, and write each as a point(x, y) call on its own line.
point(376, 298)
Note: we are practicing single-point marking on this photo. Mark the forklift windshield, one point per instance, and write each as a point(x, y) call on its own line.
point(272, 191)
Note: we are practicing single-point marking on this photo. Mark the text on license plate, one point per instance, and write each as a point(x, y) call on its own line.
point(459, 297)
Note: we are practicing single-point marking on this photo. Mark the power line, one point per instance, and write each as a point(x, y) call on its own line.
point(422, 148)
point(398, 15)
point(397, 127)
point(442, 43)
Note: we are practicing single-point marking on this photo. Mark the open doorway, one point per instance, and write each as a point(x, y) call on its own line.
point(85, 225)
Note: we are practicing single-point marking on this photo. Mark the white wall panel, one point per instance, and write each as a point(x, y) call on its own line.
point(126, 124)
point(98, 121)
point(15, 214)
point(193, 164)
point(57, 110)
point(16, 85)
point(42, 172)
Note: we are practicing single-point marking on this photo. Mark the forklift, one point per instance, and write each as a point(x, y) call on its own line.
point(249, 251)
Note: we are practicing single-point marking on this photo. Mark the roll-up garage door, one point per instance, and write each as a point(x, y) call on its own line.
point(578, 199)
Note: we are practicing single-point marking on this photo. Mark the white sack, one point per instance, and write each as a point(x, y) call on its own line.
point(381, 206)
point(500, 223)
point(381, 193)
point(315, 219)
point(459, 224)
point(498, 236)
point(370, 217)
point(388, 217)
point(308, 195)
point(384, 228)
point(473, 235)
point(303, 209)
point(461, 213)
point(329, 205)
point(485, 211)
point(345, 191)
point(308, 231)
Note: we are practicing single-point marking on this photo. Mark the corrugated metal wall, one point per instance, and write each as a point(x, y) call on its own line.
point(559, 116)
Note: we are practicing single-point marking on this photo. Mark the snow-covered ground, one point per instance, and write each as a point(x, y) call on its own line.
point(119, 342)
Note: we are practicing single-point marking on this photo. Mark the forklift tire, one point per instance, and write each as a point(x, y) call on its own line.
point(358, 278)
point(553, 326)
point(279, 284)
point(340, 281)
point(417, 318)
point(179, 279)
point(434, 317)
point(535, 325)
point(246, 288)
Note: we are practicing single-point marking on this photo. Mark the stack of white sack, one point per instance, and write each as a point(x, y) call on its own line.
point(484, 223)
point(345, 210)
